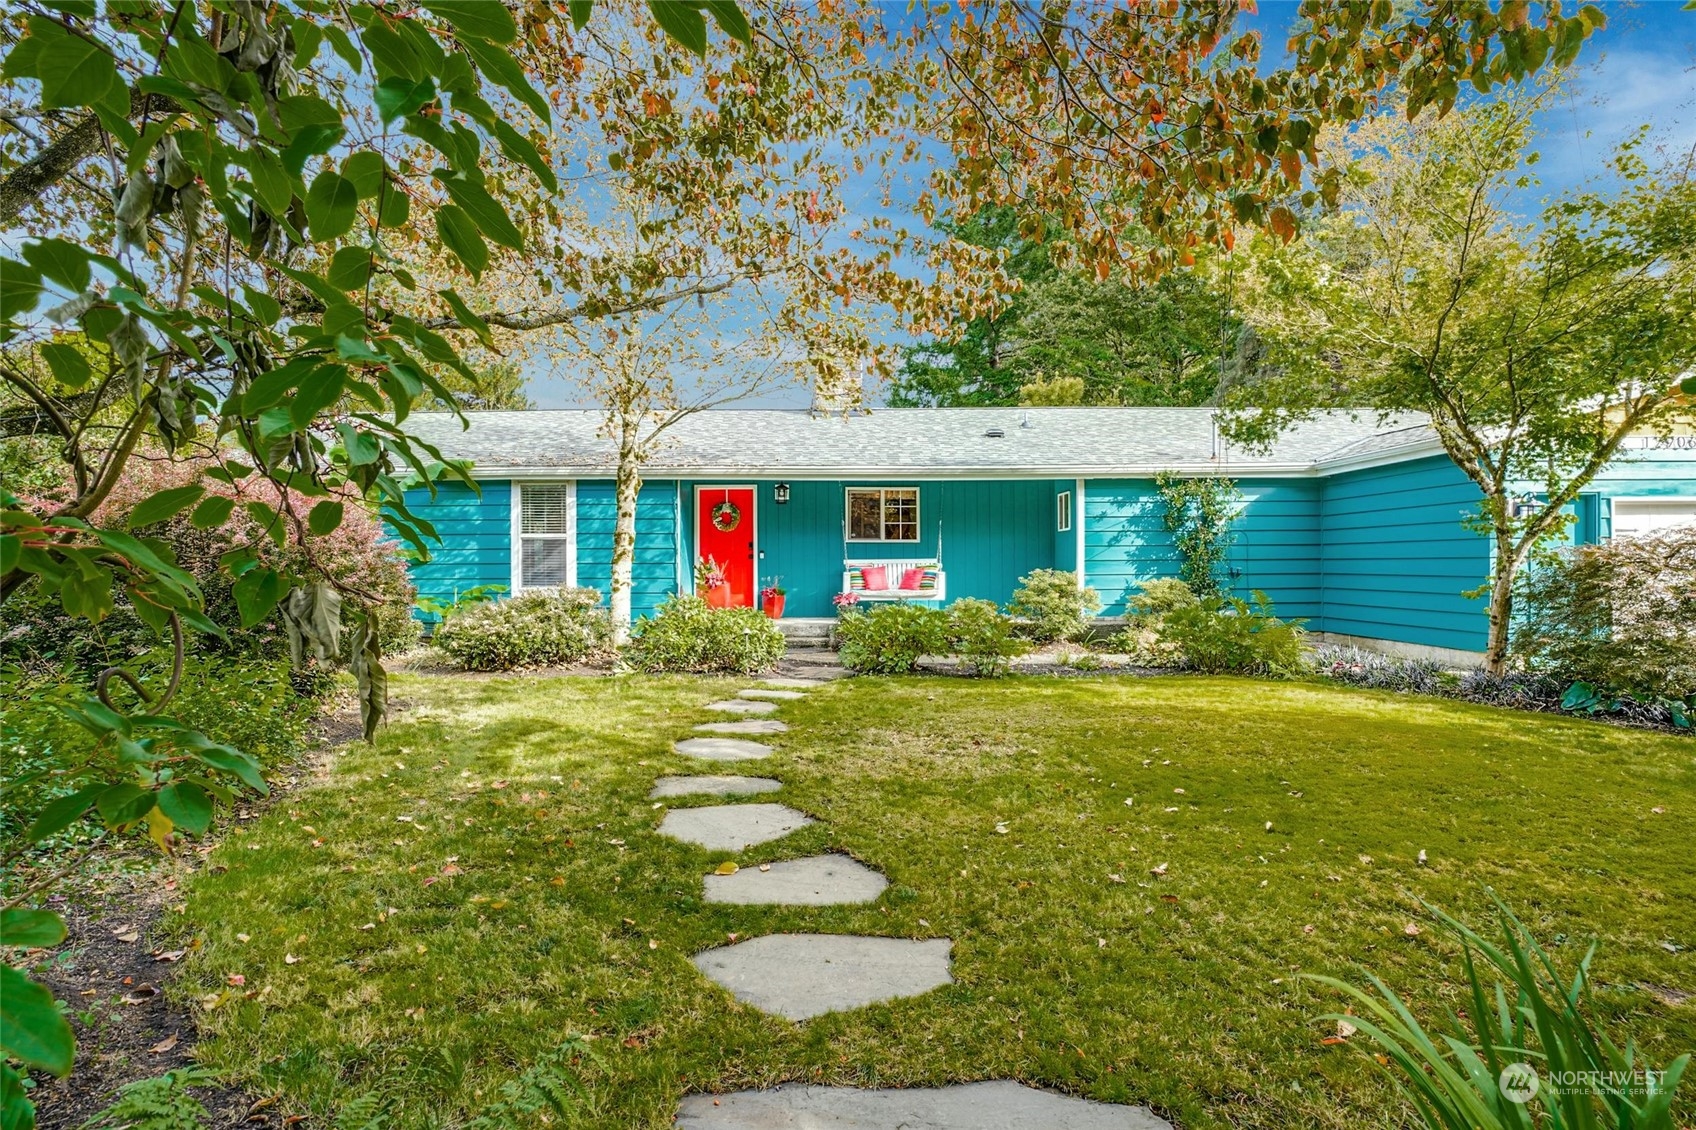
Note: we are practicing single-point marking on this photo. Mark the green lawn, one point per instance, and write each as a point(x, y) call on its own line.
point(487, 882)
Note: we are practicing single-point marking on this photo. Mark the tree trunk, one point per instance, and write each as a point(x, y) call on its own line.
point(1501, 608)
point(628, 486)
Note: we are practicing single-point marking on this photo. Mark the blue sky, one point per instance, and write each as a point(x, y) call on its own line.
point(1638, 70)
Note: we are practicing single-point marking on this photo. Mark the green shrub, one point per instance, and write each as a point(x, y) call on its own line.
point(890, 638)
point(1231, 634)
point(1160, 596)
point(688, 634)
point(1052, 605)
point(1144, 614)
point(544, 628)
point(981, 635)
point(1619, 616)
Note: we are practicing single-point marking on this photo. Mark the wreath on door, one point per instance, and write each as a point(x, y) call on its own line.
point(726, 516)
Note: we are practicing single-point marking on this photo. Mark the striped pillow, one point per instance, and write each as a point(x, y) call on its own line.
point(856, 580)
point(927, 580)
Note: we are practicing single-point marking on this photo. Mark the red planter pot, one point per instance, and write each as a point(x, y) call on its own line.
point(774, 606)
point(719, 596)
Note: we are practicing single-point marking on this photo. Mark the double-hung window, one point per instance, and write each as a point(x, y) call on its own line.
point(883, 513)
point(543, 532)
point(1063, 511)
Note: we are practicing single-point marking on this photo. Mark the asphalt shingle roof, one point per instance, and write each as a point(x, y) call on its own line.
point(1033, 442)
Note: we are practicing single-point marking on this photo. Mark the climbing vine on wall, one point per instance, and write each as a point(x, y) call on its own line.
point(1199, 513)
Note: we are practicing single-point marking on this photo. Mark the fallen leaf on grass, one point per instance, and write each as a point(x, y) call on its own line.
point(726, 868)
point(244, 938)
point(1001, 828)
point(142, 993)
point(130, 936)
point(170, 955)
point(290, 959)
point(1115, 876)
point(164, 1045)
point(236, 979)
point(1158, 872)
point(1411, 930)
point(1345, 1029)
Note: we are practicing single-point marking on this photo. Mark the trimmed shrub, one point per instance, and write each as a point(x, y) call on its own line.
point(1052, 606)
point(1233, 635)
point(544, 628)
point(980, 634)
point(1619, 616)
point(1160, 596)
point(889, 639)
point(688, 634)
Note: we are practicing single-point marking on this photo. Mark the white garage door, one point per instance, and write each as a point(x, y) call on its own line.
point(1637, 516)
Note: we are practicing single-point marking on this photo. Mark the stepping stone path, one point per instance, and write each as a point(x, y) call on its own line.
point(742, 706)
point(800, 976)
point(746, 726)
point(969, 1106)
point(732, 827)
point(818, 880)
point(714, 786)
point(722, 749)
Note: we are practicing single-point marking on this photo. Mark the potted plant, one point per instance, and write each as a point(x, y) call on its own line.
point(845, 601)
point(771, 598)
point(710, 583)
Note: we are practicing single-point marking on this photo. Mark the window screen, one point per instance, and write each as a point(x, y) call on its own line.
point(544, 536)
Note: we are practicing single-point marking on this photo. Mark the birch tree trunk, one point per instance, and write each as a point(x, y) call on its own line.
point(627, 487)
point(1502, 572)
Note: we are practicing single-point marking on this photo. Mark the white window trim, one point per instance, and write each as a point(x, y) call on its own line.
point(848, 516)
point(1063, 512)
point(518, 535)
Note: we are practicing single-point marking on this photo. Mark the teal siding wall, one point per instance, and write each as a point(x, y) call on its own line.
point(992, 534)
point(1274, 549)
point(654, 572)
point(1396, 557)
point(476, 533)
point(1065, 541)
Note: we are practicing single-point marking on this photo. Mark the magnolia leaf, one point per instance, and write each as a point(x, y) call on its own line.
point(214, 512)
point(730, 20)
point(257, 592)
point(398, 97)
point(312, 614)
point(461, 237)
point(331, 204)
point(30, 928)
point(500, 67)
point(187, 806)
point(582, 9)
point(60, 260)
point(62, 813)
point(70, 367)
point(325, 517)
point(164, 504)
point(31, 1026)
point(477, 18)
point(368, 670)
point(124, 803)
point(683, 23)
point(350, 268)
point(485, 210)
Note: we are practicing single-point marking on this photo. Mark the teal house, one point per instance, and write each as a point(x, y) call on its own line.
point(1355, 525)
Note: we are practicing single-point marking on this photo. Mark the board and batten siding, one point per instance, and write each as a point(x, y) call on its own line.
point(1273, 549)
point(1396, 555)
point(654, 572)
point(476, 537)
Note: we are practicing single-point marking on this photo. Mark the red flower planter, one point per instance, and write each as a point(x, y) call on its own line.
point(719, 596)
point(774, 606)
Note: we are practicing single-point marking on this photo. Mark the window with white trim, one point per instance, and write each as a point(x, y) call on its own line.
point(883, 513)
point(1063, 511)
point(544, 535)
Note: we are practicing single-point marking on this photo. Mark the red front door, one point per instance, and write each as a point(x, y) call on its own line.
point(724, 531)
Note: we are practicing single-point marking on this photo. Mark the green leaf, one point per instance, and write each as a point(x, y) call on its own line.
point(331, 204)
point(188, 806)
point(257, 592)
point(212, 513)
point(461, 237)
point(365, 169)
point(124, 803)
point(164, 504)
point(30, 928)
point(395, 208)
point(11, 549)
point(1689, 385)
point(20, 288)
point(70, 367)
point(682, 22)
point(467, 317)
point(233, 762)
point(62, 261)
point(74, 71)
point(477, 18)
point(398, 97)
point(581, 10)
point(325, 517)
point(485, 210)
point(321, 388)
point(501, 68)
point(361, 447)
point(62, 813)
point(31, 1027)
point(350, 268)
point(728, 15)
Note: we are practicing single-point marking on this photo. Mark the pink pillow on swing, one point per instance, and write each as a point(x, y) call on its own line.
point(877, 577)
point(913, 578)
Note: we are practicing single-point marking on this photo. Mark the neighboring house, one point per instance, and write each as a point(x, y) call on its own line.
point(1356, 527)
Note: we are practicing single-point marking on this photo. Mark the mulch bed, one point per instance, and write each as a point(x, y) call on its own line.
point(111, 974)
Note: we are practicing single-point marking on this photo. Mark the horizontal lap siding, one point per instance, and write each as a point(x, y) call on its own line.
point(1274, 547)
point(992, 534)
point(653, 573)
point(476, 538)
point(1397, 555)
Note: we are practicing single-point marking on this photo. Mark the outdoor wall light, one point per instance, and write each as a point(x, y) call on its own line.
point(780, 493)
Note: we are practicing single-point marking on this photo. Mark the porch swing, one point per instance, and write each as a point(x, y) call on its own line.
point(891, 578)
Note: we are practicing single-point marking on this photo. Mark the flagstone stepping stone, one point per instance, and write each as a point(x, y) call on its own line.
point(732, 827)
point(793, 684)
point(714, 786)
point(817, 880)
point(799, 976)
point(763, 692)
point(722, 749)
point(742, 706)
point(1001, 1103)
point(746, 726)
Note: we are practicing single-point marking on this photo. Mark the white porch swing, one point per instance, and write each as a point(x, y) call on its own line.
point(929, 582)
